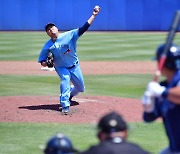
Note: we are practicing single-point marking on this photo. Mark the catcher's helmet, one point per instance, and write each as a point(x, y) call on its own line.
point(173, 56)
point(59, 144)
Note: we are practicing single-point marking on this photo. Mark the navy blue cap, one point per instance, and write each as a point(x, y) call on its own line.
point(112, 122)
point(49, 25)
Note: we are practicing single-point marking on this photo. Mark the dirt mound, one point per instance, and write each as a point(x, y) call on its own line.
point(84, 109)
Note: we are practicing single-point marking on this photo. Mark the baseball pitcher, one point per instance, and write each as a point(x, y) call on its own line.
point(60, 52)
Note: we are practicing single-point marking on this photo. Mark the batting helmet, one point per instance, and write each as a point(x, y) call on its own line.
point(59, 144)
point(173, 56)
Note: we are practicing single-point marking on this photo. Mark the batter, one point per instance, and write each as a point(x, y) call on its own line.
point(162, 100)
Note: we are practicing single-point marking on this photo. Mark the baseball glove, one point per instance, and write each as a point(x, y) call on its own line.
point(50, 60)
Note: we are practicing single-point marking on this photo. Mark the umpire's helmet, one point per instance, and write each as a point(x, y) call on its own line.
point(173, 56)
point(112, 122)
point(59, 144)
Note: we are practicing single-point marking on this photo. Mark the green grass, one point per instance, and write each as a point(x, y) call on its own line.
point(12, 85)
point(113, 85)
point(92, 46)
point(28, 137)
point(21, 45)
point(150, 136)
point(117, 85)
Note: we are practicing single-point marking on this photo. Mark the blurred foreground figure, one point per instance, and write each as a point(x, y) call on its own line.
point(163, 99)
point(59, 144)
point(112, 134)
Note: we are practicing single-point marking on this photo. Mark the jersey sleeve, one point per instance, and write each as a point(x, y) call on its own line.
point(43, 54)
point(75, 34)
point(83, 28)
point(44, 51)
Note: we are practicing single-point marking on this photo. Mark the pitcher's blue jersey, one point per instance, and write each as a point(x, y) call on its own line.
point(63, 49)
point(170, 113)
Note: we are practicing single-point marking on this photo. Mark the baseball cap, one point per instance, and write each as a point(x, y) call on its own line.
point(49, 25)
point(112, 122)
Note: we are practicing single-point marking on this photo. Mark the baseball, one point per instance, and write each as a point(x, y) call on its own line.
point(96, 8)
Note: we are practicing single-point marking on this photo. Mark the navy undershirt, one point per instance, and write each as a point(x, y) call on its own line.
point(83, 28)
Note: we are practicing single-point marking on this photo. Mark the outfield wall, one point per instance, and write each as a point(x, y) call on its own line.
point(68, 14)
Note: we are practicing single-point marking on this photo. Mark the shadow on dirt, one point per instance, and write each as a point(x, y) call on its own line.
point(54, 107)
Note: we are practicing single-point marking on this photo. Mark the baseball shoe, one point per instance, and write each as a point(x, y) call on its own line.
point(65, 110)
point(70, 98)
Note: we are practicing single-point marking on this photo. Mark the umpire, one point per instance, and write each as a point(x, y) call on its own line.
point(112, 134)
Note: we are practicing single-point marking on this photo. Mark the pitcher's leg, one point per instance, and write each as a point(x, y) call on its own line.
point(64, 86)
point(78, 82)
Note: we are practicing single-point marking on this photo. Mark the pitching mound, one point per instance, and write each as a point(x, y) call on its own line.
point(83, 109)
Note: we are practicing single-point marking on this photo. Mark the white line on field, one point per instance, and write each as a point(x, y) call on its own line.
point(85, 100)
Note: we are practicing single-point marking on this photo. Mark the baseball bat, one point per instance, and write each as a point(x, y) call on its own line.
point(169, 40)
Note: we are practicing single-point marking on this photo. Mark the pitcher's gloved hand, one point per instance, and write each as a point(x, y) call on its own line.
point(148, 101)
point(50, 60)
point(155, 88)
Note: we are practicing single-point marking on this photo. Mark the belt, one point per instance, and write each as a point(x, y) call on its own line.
point(72, 65)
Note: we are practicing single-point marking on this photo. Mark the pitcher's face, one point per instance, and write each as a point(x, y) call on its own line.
point(52, 31)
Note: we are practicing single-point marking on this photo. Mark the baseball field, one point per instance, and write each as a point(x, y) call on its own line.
point(116, 67)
